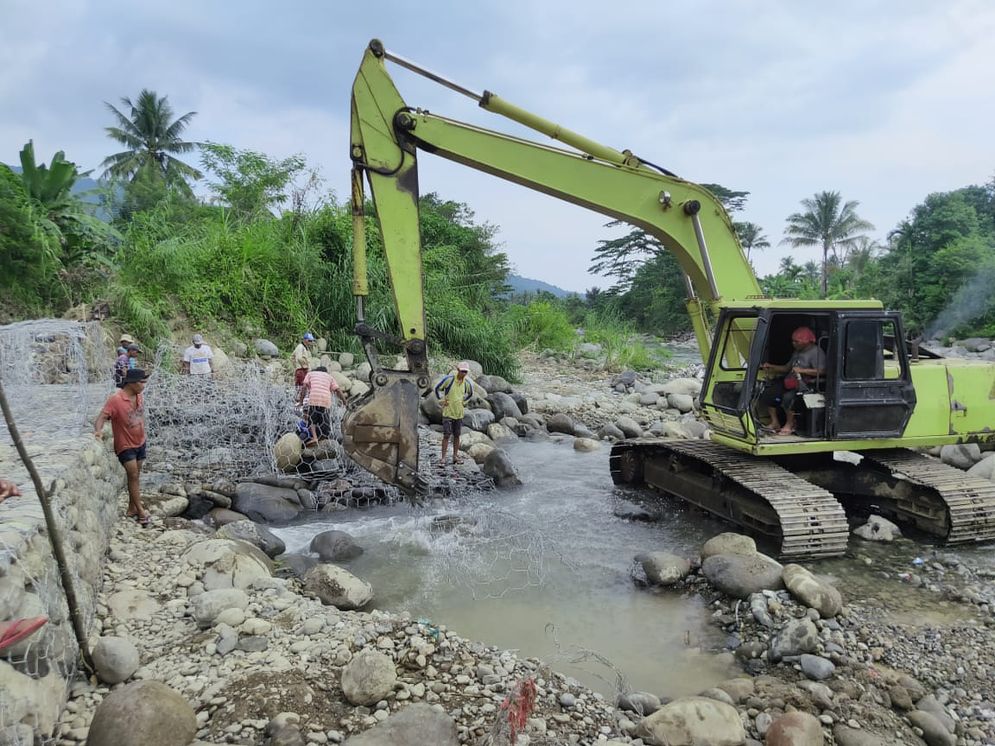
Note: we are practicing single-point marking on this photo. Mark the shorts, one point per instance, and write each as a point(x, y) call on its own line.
point(132, 454)
point(452, 427)
point(320, 418)
point(299, 375)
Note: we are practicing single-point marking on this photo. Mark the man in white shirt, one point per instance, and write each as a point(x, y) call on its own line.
point(197, 358)
point(301, 359)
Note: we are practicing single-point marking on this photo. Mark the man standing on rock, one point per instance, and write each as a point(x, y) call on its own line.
point(197, 358)
point(454, 390)
point(126, 411)
point(318, 386)
point(302, 358)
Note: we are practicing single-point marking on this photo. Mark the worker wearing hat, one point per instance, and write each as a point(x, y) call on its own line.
point(198, 358)
point(302, 358)
point(454, 390)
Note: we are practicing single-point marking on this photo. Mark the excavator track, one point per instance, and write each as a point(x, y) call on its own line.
point(755, 493)
point(947, 502)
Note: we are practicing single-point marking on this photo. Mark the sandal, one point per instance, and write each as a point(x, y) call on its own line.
point(16, 630)
point(145, 521)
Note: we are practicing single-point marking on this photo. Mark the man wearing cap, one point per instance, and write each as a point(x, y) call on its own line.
point(133, 352)
point(805, 366)
point(126, 411)
point(454, 390)
point(302, 358)
point(198, 358)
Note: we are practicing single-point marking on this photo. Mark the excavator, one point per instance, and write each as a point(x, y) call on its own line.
point(880, 400)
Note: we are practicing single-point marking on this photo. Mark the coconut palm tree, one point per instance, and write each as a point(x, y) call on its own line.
point(151, 137)
point(829, 222)
point(751, 237)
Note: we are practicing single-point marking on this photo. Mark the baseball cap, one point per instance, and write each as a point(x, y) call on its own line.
point(134, 375)
point(309, 336)
point(464, 366)
point(134, 348)
point(197, 339)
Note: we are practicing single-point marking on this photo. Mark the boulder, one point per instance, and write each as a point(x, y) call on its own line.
point(878, 529)
point(648, 399)
point(346, 359)
point(498, 466)
point(610, 432)
point(115, 658)
point(641, 703)
point(225, 563)
point(797, 636)
point(932, 705)
point(287, 452)
point(218, 517)
point(470, 438)
point(145, 713)
point(816, 667)
point(298, 564)
point(432, 408)
point(368, 677)
point(934, 733)
point(358, 388)
point(478, 419)
point(629, 427)
point(976, 344)
point(334, 586)
point(503, 405)
point(415, 725)
point(847, 736)
point(498, 432)
point(167, 506)
point(259, 536)
point(521, 401)
point(684, 386)
point(208, 605)
point(729, 543)
point(343, 381)
point(265, 348)
point(985, 469)
point(680, 402)
point(560, 423)
point(266, 504)
point(795, 729)
point(663, 568)
point(963, 456)
point(692, 721)
point(494, 384)
point(811, 591)
point(586, 445)
point(239, 349)
point(739, 575)
point(363, 371)
point(479, 452)
point(335, 546)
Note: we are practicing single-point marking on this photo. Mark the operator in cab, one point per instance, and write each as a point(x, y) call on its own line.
point(805, 366)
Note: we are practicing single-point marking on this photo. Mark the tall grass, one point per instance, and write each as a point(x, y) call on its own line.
point(620, 343)
point(541, 325)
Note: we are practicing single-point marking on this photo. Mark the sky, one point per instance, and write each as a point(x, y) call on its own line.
point(885, 102)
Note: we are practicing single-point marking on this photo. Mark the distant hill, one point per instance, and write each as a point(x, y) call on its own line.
point(528, 285)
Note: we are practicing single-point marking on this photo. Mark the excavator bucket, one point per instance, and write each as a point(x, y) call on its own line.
point(380, 430)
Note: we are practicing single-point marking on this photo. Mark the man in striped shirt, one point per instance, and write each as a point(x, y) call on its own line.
point(318, 386)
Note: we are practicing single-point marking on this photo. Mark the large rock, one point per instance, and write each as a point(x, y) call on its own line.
point(816, 667)
point(680, 402)
point(346, 359)
point(933, 731)
point(795, 729)
point(503, 405)
point(610, 432)
point(226, 563)
point(208, 605)
point(432, 408)
point(663, 568)
point(335, 546)
point(629, 427)
point(560, 423)
point(686, 386)
point(984, 468)
point(586, 445)
point(415, 725)
point(266, 504)
point(498, 466)
point(811, 591)
point(847, 736)
point(219, 517)
point(479, 452)
point(368, 677)
point(132, 604)
point(693, 721)
point(29, 699)
point(265, 348)
point(259, 536)
point(363, 371)
point(797, 636)
point(494, 384)
point(116, 659)
point(478, 419)
point(334, 586)
point(498, 432)
point(521, 401)
point(878, 529)
point(963, 456)
point(146, 713)
point(729, 543)
point(641, 703)
point(739, 575)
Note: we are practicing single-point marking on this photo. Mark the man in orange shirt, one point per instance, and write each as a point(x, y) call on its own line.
point(126, 411)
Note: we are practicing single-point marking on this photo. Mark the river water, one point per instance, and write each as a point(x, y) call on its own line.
point(543, 569)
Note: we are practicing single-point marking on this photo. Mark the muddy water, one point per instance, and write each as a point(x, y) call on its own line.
point(544, 569)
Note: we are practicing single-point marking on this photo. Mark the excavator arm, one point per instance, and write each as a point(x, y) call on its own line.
point(380, 430)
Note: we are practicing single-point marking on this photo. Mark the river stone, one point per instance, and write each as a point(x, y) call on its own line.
point(498, 432)
point(478, 419)
point(729, 543)
point(740, 689)
point(681, 402)
point(415, 725)
point(115, 658)
point(847, 736)
point(816, 667)
point(494, 384)
point(932, 705)
point(298, 564)
point(649, 398)
point(629, 427)
point(432, 408)
point(503, 405)
point(252, 533)
point(363, 371)
point(610, 432)
point(797, 636)
point(586, 445)
point(498, 466)
point(219, 517)
point(641, 703)
point(985, 469)
point(963, 455)
point(686, 386)
point(335, 546)
point(368, 677)
point(240, 349)
point(479, 452)
point(795, 729)
point(208, 605)
point(560, 423)
point(811, 591)
point(337, 587)
point(145, 713)
point(226, 563)
point(167, 506)
point(739, 575)
point(265, 348)
point(933, 731)
point(521, 401)
point(346, 359)
point(878, 529)
point(663, 568)
point(691, 721)
point(266, 504)
point(127, 605)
